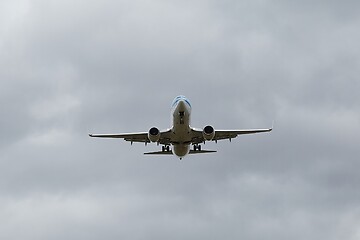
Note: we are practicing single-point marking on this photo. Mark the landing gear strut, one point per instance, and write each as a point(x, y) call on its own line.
point(197, 147)
point(165, 148)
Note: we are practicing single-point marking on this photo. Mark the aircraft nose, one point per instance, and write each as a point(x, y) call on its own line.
point(181, 105)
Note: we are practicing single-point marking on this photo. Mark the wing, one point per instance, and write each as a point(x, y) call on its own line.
point(137, 137)
point(228, 134)
point(224, 134)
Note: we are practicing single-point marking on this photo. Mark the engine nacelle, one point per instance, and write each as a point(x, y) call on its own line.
point(154, 134)
point(208, 133)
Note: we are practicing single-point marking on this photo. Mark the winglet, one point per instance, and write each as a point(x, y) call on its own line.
point(273, 123)
point(90, 135)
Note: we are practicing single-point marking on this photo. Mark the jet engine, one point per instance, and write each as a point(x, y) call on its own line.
point(208, 133)
point(154, 134)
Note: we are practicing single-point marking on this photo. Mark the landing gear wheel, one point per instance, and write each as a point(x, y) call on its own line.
point(165, 148)
point(197, 147)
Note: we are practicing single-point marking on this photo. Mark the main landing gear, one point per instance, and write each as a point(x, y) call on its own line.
point(197, 147)
point(165, 148)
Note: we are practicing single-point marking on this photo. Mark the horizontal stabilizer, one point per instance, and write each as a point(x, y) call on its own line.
point(159, 153)
point(170, 152)
point(201, 151)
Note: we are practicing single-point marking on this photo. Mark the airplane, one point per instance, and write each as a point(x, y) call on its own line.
point(177, 139)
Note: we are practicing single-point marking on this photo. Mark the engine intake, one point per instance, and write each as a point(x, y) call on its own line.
point(154, 134)
point(208, 133)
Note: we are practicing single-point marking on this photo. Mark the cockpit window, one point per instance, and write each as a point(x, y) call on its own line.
point(187, 101)
point(178, 98)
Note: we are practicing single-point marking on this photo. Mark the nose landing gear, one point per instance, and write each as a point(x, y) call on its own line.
point(182, 114)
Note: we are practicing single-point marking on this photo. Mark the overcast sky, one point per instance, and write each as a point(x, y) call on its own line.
point(72, 67)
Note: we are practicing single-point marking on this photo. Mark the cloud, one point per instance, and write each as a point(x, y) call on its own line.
point(68, 68)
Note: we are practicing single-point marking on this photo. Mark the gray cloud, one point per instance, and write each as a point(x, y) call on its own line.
point(72, 67)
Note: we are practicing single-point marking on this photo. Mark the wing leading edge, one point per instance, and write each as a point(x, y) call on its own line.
point(225, 134)
point(136, 137)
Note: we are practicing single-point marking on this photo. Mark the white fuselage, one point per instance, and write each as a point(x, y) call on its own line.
point(181, 111)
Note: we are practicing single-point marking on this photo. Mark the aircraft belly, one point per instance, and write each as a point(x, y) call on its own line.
point(181, 130)
point(181, 150)
point(181, 134)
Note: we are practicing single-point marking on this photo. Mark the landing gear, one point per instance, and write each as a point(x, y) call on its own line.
point(197, 147)
point(182, 114)
point(165, 148)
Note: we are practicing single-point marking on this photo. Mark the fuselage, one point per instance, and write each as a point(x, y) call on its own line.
point(180, 114)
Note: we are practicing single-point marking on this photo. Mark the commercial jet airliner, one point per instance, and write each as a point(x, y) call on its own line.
point(177, 139)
